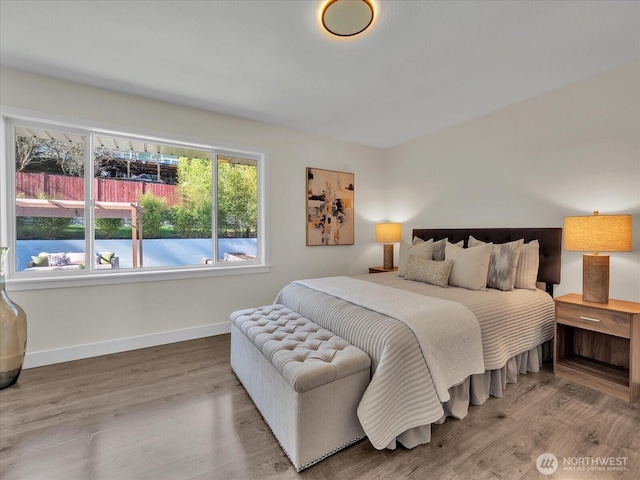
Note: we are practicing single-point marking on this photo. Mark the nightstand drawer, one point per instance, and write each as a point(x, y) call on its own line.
point(594, 319)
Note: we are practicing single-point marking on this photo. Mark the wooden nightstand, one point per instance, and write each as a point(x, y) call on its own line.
point(598, 345)
point(382, 269)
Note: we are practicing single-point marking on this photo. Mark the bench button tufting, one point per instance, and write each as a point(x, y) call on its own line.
point(299, 348)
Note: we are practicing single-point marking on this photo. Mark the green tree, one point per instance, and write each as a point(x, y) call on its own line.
point(154, 214)
point(108, 227)
point(237, 200)
point(52, 228)
point(192, 217)
point(183, 220)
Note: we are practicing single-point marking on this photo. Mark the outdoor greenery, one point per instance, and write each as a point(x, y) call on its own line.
point(190, 217)
point(154, 215)
point(108, 227)
point(54, 226)
point(47, 228)
point(237, 200)
point(30, 230)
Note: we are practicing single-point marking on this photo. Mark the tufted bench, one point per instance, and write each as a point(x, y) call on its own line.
point(305, 381)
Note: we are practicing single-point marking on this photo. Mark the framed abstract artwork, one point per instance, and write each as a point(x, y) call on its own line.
point(330, 207)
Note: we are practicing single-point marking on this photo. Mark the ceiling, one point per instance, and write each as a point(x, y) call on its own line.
point(422, 65)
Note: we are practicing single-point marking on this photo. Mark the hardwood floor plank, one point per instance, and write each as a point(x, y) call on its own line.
point(178, 412)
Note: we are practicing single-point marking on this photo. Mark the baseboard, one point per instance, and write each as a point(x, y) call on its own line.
point(78, 352)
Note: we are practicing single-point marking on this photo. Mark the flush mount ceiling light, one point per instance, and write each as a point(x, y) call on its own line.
point(346, 18)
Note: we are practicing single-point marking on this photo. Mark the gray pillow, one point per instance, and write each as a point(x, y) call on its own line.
point(439, 247)
point(429, 271)
point(503, 263)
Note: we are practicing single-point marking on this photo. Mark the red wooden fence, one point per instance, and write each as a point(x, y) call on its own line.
point(60, 187)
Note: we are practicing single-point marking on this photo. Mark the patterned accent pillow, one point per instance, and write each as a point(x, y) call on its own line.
point(470, 266)
point(425, 249)
point(429, 271)
point(56, 259)
point(439, 248)
point(502, 264)
point(528, 265)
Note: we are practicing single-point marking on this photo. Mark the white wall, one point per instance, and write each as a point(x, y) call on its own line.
point(66, 318)
point(567, 152)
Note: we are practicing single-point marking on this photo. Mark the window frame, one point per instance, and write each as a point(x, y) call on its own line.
point(11, 117)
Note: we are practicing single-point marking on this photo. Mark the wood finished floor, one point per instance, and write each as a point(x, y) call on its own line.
point(178, 412)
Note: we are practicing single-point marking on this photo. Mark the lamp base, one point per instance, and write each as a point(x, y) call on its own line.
point(387, 262)
point(595, 278)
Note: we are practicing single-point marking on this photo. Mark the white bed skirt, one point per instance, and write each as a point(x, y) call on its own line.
point(477, 389)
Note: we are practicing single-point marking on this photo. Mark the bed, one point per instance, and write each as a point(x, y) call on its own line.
point(421, 377)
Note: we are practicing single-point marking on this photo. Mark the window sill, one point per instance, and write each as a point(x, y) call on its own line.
point(70, 280)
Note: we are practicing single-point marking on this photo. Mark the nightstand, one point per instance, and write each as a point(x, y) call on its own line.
point(598, 345)
point(382, 269)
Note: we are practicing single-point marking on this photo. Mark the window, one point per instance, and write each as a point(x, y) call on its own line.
point(102, 204)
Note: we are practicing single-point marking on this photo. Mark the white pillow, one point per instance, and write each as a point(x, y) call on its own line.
point(470, 266)
point(528, 264)
point(424, 249)
point(502, 263)
point(74, 258)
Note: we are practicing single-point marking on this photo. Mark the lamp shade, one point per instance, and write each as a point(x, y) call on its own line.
point(388, 232)
point(598, 233)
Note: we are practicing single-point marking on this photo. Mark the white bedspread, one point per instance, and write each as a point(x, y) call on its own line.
point(448, 332)
point(511, 322)
point(401, 400)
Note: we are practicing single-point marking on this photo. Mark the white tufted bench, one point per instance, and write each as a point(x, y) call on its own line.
point(305, 381)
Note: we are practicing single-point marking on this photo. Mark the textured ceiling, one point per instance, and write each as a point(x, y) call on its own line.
point(422, 66)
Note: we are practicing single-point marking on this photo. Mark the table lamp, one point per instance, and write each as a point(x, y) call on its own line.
point(388, 233)
point(597, 233)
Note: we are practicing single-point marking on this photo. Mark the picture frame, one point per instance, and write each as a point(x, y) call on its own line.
point(330, 207)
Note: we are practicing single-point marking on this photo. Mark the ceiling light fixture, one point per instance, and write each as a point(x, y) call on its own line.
point(346, 18)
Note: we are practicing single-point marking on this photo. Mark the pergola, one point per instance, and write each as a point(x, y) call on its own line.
point(31, 207)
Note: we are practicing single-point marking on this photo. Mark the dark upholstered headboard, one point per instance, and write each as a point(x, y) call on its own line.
point(550, 240)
